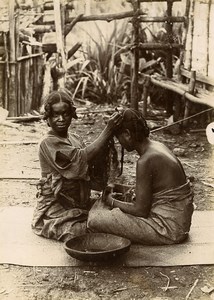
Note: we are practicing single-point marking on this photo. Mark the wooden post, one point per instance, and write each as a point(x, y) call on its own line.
point(59, 36)
point(187, 102)
point(184, 38)
point(18, 65)
point(146, 93)
point(19, 85)
point(7, 70)
point(169, 26)
point(208, 37)
point(135, 68)
point(12, 105)
point(189, 40)
point(169, 64)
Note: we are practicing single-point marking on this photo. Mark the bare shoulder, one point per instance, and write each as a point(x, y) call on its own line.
point(155, 150)
point(159, 150)
point(156, 155)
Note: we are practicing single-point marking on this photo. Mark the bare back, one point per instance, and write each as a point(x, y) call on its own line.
point(167, 171)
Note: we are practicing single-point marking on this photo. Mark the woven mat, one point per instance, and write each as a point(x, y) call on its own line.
point(19, 246)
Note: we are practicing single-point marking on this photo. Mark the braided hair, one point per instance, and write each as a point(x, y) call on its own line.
point(135, 122)
point(62, 95)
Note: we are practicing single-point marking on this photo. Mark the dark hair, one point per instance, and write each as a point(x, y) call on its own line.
point(135, 122)
point(55, 97)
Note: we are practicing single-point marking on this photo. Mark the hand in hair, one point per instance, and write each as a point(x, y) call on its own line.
point(114, 121)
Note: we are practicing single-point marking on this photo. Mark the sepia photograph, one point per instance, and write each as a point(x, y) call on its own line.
point(106, 149)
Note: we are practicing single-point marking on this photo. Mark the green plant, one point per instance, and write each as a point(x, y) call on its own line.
point(101, 76)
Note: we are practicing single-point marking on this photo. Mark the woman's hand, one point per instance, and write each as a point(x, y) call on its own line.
point(109, 200)
point(94, 148)
point(114, 121)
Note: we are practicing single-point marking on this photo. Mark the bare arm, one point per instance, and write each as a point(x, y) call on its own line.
point(93, 149)
point(142, 205)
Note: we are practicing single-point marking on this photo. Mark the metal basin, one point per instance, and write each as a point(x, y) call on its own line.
point(97, 246)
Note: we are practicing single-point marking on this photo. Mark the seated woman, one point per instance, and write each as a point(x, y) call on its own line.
point(162, 209)
point(64, 187)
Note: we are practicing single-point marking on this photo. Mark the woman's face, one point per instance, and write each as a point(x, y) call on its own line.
point(60, 118)
point(125, 140)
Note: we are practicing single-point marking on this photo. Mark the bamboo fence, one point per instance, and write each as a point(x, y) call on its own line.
point(20, 90)
point(22, 75)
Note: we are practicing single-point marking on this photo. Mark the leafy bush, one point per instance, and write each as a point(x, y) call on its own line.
point(99, 75)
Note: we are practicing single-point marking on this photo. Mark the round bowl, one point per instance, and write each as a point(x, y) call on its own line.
point(96, 246)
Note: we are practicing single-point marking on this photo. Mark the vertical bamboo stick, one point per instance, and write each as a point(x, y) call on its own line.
point(184, 35)
point(191, 31)
point(169, 26)
point(208, 35)
point(27, 105)
point(2, 73)
point(39, 79)
point(59, 34)
point(7, 71)
point(188, 104)
point(30, 85)
point(211, 43)
point(169, 64)
point(34, 104)
point(22, 87)
point(12, 105)
point(18, 67)
point(146, 93)
point(18, 83)
point(134, 81)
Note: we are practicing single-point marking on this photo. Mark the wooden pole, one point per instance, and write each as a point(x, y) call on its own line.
point(135, 57)
point(169, 26)
point(82, 18)
point(208, 36)
point(12, 105)
point(190, 33)
point(146, 86)
point(169, 85)
point(59, 35)
point(111, 17)
point(158, 46)
point(18, 66)
point(191, 91)
point(184, 38)
point(7, 70)
point(69, 27)
point(169, 64)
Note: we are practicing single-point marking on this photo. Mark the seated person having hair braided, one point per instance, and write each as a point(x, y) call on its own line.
point(162, 209)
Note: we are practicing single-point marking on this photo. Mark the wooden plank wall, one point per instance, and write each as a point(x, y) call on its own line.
point(199, 46)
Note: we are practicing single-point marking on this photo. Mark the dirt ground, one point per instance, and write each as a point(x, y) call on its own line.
point(106, 282)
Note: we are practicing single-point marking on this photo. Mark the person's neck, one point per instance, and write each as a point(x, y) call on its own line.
point(141, 147)
point(62, 134)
